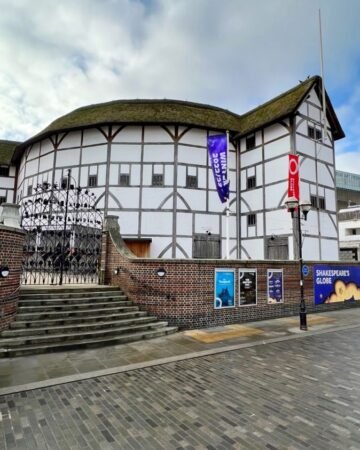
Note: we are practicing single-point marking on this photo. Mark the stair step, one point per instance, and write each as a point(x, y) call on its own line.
point(79, 312)
point(54, 338)
point(53, 329)
point(69, 301)
point(76, 289)
point(75, 320)
point(63, 295)
point(86, 343)
point(73, 307)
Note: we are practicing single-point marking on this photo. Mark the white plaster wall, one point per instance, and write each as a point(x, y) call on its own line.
point(215, 204)
point(125, 153)
point(157, 134)
point(159, 153)
point(327, 227)
point(232, 248)
point(207, 222)
point(129, 134)
point(276, 169)
point(65, 158)
point(93, 137)
point(195, 137)
point(72, 139)
point(277, 148)
point(195, 199)
point(158, 245)
point(313, 98)
point(127, 196)
point(278, 222)
point(186, 247)
point(153, 197)
point(324, 176)
point(305, 146)
point(307, 169)
point(325, 153)
point(232, 226)
point(243, 180)
point(46, 162)
point(251, 157)
point(6, 182)
point(92, 155)
point(184, 223)
point(34, 151)
point(274, 194)
point(128, 222)
point(254, 198)
point(274, 132)
point(329, 250)
point(194, 155)
point(46, 147)
point(311, 248)
point(32, 167)
point(314, 113)
point(254, 247)
point(301, 125)
point(330, 199)
point(156, 223)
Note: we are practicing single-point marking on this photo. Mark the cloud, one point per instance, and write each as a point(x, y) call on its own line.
point(57, 56)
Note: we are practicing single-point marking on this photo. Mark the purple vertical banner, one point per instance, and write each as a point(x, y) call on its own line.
point(217, 147)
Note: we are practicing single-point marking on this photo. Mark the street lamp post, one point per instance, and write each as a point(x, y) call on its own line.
point(293, 205)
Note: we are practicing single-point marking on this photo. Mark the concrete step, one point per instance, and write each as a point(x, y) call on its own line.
point(85, 343)
point(69, 295)
point(75, 289)
point(77, 320)
point(44, 315)
point(69, 301)
point(78, 335)
point(73, 307)
point(47, 329)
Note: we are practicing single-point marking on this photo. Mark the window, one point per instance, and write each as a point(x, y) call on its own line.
point(250, 141)
point(322, 203)
point(314, 133)
point(92, 181)
point(124, 179)
point(29, 190)
point(251, 182)
point(251, 220)
point(64, 182)
point(4, 171)
point(317, 202)
point(191, 181)
point(313, 201)
point(158, 179)
point(2, 200)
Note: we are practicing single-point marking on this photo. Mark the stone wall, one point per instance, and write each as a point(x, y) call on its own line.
point(185, 295)
point(11, 255)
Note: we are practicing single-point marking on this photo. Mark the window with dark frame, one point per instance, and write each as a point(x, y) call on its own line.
point(158, 179)
point(322, 203)
point(191, 181)
point(313, 201)
point(64, 182)
point(29, 190)
point(2, 200)
point(92, 182)
point(251, 182)
point(314, 133)
point(318, 134)
point(251, 220)
point(250, 141)
point(124, 179)
point(4, 171)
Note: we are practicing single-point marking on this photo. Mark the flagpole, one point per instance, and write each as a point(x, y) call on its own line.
point(227, 220)
point(322, 80)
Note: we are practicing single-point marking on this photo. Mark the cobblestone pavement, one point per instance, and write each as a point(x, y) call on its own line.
point(299, 394)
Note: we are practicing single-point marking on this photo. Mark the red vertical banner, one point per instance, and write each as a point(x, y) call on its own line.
point(293, 177)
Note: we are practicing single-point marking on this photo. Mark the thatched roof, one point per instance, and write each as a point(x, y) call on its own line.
point(187, 113)
point(7, 149)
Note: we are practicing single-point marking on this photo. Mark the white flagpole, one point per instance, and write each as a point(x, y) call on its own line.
point(322, 81)
point(228, 200)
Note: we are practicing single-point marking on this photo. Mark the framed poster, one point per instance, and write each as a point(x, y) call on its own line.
point(334, 284)
point(275, 286)
point(247, 287)
point(224, 288)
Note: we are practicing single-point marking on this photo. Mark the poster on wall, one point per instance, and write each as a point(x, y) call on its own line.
point(224, 288)
point(336, 284)
point(247, 287)
point(275, 286)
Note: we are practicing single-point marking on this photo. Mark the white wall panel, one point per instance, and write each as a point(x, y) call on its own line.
point(311, 225)
point(232, 226)
point(12, 171)
point(34, 152)
point(184, 224)
point(93, 136)
point(311, 248)
point(277, 148)
point(192, 155)
point(147, 175)
point(301, 126)
point(127, 196)
point(155, 223)
point(158, 245)
point(329, 250)
point(135, 175)
point(195, 137)
point(232, 248)
point(215, 204)
point(305, 146)
point(327, 228)
point(169, 175)
point(125, 153)
point(330, 199)
point(159, 153)
point(157, 134)
point(10, 196)
point(32, 167)
point(128, 222)
point(276, 169)
point(46, 162)
point(102, 175)
point(324, 176)
point(259, 224)
point(93, 155)
point(114, 174)
point(195, 199)
point(254, 247)
point(307, 169)
point(7, 183)
point(129, 134)
point(325, 153)
point(251, 157)
point(278, 222)
point(84, 176)
point(207, 222)
point(202, 178)
point(186, 245)
point(72, 139)
point(46, 147)
point(303, 109)
point(314, 113)
point(66, 158)
point(181, 176)
point(243, 179)
point(313, 98)
point(254, 198)
point(153, 197)
point(243, 227)
point(274, 194)
point(274, 132)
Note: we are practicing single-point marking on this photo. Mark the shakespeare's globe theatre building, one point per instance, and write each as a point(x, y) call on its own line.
point(147, 163)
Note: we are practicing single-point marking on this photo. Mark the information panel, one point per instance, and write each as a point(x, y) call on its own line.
point(336, 283)
point(275, 286)
point(224, 288)
point(247, 287)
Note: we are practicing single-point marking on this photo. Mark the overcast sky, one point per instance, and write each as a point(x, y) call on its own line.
point(58, 55)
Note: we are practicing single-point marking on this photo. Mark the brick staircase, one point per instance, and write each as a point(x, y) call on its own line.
point(61, 319)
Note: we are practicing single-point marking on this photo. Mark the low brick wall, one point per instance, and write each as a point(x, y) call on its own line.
point(185, 295)
point(11, 255)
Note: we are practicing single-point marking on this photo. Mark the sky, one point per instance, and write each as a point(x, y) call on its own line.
point(57, 56)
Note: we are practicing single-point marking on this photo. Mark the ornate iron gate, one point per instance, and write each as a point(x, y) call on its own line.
point(62, 235)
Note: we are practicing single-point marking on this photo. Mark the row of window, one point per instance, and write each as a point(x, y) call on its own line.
point(317, 202)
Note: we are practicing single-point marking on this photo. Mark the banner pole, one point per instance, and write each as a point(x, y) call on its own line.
point(227, 220)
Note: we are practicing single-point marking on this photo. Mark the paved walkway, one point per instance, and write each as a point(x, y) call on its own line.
point(294, 394)
point(30, 372)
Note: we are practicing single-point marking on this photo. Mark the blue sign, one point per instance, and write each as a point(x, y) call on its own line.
point(305, 270)
point(336, 284)
point(275, 288)
point(224, 288)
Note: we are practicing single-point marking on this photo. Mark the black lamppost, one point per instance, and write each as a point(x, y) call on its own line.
point(293, 206)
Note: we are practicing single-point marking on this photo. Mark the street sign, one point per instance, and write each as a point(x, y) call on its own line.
point(305, 270)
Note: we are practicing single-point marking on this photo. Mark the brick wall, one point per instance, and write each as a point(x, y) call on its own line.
point(11, 253)
point(185, 295)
